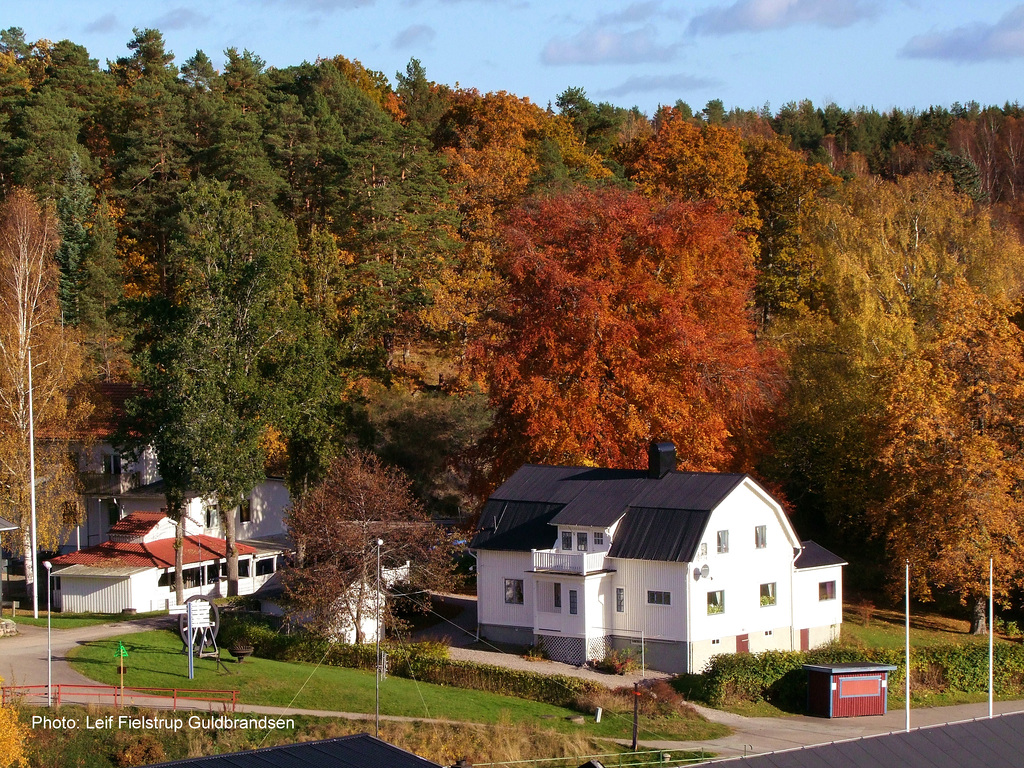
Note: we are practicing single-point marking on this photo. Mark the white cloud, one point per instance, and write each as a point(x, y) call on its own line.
point(973, 42)
point(181, 18)
point(760, 15)
point(416, 35)
point(105, 23)
point(664, 83)
point(601, 45)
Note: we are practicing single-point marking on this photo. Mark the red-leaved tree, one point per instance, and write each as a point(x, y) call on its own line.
point(625, 319)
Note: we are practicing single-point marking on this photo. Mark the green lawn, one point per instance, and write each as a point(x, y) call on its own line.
point(883, 628)
point(76, 620)
point(155, 661)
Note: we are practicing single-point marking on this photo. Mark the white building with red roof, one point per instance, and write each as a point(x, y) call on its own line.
point(134, 568)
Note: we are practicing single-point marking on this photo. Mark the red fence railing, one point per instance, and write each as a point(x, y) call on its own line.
point(66, 693)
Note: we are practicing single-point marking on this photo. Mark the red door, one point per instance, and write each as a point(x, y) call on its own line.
point(742, 643)
point(805, 639)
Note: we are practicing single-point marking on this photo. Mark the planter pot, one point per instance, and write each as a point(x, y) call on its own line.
point(240, 652)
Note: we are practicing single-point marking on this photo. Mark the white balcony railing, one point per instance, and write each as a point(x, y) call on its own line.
point(568, 562)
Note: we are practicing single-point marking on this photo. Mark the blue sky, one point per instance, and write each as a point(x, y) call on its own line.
point(881, 53)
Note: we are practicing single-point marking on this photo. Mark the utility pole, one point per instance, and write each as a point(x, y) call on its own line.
point(32, 490)
point(636, 712)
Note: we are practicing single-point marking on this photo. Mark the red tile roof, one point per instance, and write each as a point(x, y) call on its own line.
point(136, 524)
point(157, 554)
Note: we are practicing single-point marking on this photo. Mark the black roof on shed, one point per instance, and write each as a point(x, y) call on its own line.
point(987, 743)
point(358, 751)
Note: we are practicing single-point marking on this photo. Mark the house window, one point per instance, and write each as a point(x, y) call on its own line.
point(212, 573)
point(655, 597)
point(760, 536)
point(245, 511)
point(581, 542)
point(113, 511)
point(566, 539)
point(211, 515)
point(514, 591)
point(558, 596)
point(573, 604)
point(723, 542)
point(716, 602)
point(166, 579)
point(265, 567)
point(716, 641)
point(599, 539)
point(769, 632)
point(703, 549)
point(768, 594)
point(56, 583)
point(243, 568)
point(111, 464)
point(620, 600)
point(192, 577)
point(826, 590)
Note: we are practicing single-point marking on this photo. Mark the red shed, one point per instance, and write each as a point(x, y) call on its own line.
point(847, 690)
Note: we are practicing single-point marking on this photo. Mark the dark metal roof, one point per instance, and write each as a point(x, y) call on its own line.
point(515, 525)
point(687, 490)
point(662, 517)
point(600, 502)
point(660, 534)
point(557, 485)
point(358, 751)
point(987, 743)
point(814, 555)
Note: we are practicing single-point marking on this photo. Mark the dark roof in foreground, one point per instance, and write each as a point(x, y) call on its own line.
point(814, 555)
point(359, 751)
point(995, 743)
point(664, 516)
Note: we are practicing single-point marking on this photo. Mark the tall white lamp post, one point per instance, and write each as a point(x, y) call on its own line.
point(49, 651)
point(380, 543)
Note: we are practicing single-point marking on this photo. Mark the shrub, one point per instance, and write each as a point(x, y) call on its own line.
point(619, 662)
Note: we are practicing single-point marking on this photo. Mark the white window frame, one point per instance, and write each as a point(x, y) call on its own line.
point(659, 597)
point(514, 593)
point(826, 590)
point(620, 600)
point(573, 602)
point(722, 542)
point(567, 539)
point(557, 595)
point(771, 593)
point(581, 541)
point(716, 602)
point(598, 538)
point(760, 536)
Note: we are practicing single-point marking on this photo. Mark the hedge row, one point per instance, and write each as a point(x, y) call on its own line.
point(425, 662)
point(778, 676)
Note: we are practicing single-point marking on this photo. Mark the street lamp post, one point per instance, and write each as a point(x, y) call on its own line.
point(49, 647)
point(380, 543)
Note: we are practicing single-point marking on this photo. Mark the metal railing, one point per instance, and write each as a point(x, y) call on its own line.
point(65, 693)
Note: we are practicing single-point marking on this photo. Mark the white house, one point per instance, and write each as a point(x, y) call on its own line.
point(680, 565)
point(134, 569)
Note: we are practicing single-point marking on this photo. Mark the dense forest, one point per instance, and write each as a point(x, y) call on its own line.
point(290, 263)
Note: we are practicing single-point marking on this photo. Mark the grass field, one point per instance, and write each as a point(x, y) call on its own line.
point(155, 661)
point(444, 743)
point(870, 627)
point(76, 620)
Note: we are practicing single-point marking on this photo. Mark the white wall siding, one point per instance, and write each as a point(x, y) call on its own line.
point(493, 568)
point(640, 619)
point(810, 610)
point(84, 594)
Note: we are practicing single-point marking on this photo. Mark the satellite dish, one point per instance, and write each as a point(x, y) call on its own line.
point(704, 571)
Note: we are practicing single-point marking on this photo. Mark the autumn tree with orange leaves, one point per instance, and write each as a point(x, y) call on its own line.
point(626, 319)
point(949, 454)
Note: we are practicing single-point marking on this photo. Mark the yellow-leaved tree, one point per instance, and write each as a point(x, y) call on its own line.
point(30, 319)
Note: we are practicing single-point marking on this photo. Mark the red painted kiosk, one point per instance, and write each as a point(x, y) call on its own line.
point(847, 690)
